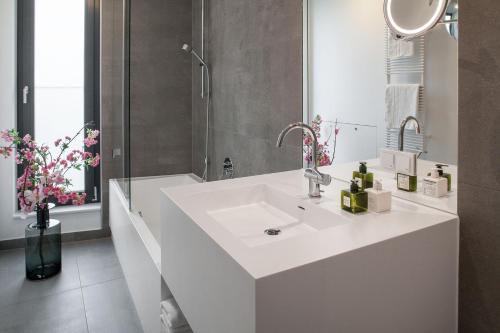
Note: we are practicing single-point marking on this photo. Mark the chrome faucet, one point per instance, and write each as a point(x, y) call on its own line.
point(315, 177)
point(402, 130)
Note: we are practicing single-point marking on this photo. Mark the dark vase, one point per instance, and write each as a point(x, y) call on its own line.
point(43, 246)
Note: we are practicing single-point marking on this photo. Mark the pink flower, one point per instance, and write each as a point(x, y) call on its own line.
point(27, 138)
point(41, 178)
point(29, 155)
point(91, 138)
point(78, 199)
point(59, 179)
point(89, 142)
point(337, 130)
point(47, 191)
point(95, 161)
point(63, 198)
point(325, 160)
point(6, 136)
point(93, 134)
point(5, 151)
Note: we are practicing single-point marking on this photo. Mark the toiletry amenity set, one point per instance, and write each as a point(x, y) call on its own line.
point(404, 164)
point(365, 193)
point(437, 183)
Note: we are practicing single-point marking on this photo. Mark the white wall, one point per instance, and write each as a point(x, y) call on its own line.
point(347, 79)
point(10, 227)
point(347, 71)
point(441, 93)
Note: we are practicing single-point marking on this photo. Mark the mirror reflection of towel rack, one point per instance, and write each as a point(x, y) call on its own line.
point(407, 70)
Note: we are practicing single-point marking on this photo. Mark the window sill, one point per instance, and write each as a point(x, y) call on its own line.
point(94, 207)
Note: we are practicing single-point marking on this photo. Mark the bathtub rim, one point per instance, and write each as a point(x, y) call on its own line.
point(150, 242)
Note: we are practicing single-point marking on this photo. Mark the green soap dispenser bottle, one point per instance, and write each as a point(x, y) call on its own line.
point(353, 200)
point(443, 174)
point(363, 177)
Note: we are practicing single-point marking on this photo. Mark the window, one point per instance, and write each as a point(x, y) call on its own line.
point(58, 75)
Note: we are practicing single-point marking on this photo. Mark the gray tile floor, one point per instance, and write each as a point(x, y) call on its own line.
point(90, 295)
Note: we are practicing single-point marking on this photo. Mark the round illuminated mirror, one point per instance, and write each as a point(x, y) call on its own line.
point(409, 19)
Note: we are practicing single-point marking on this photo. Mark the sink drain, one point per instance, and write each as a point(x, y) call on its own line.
point(272, 232)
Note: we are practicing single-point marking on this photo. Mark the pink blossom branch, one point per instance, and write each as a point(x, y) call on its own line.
point(65, 145)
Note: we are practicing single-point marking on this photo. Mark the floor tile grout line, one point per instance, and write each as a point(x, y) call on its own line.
point(78, 270)
point(81, 294)
point(39, 297)
point(84, 310)
point(102, 282)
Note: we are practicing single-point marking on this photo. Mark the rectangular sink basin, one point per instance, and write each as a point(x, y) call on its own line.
point(260, 214)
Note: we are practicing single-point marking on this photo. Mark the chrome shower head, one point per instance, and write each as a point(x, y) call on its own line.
point(187, 48)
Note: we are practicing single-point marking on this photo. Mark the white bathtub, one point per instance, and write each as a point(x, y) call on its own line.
point(136, 235)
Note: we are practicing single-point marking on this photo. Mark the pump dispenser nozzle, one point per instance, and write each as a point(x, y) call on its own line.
point(362, 167)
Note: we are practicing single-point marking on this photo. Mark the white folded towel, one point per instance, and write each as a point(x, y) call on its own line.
point(173, 314)
point(400, 48)
point(401, 101)
point(167, 329)
point(164, 327)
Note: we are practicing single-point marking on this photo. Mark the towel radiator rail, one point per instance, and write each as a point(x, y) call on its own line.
point(407, 70)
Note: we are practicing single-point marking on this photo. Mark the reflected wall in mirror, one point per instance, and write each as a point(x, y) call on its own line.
point(358, 75)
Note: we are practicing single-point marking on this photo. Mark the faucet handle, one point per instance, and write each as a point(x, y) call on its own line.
point(327, 179)
point(318, 177)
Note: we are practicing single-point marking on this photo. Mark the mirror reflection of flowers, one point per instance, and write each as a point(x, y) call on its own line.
point(44, 169)
point(325, 157)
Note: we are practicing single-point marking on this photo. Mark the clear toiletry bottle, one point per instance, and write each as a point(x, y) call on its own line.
point(363, 177)
point(353, 200)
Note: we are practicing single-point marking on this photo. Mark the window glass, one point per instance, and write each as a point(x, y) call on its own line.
point(59, 74)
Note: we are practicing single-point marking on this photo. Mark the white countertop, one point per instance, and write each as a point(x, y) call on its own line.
point(362, 230)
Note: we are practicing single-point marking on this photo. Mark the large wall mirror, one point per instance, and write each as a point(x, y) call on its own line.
point(364, 82)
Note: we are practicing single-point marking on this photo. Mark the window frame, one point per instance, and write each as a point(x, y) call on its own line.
point(25, 78)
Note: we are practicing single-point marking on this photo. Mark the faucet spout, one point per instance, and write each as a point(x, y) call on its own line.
point(315, 177)
point(403, 127)
point(302, 126)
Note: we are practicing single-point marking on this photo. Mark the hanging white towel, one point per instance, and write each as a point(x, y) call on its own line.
point(173, 313)
point(401, 101)
point(399, 48)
